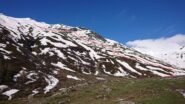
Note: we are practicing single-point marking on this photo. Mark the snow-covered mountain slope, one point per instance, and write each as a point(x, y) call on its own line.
point(37, 58)
point(170, 50)
point(176, 57)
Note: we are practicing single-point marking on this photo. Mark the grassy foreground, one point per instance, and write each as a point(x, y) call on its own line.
point(116, 91)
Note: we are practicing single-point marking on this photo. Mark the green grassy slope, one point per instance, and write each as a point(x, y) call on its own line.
point(117, 91)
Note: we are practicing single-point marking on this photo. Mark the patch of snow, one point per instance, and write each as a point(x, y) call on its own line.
point(44, 41)
point(43, 62)
point(99, 78)
point(73, 58)
point(2, 87)
point(23, 68)
point(18, 50)
point(96, 73)
point(34, 92)
point(19, 74)
point(111, 61)
point(160, 74)
point(106, 72)
point(59, 44)
point(140, 67)
point(67, 43)
point(92, 53)
point(121, 73)
point(55, 72)
point(51, 53)
point(73, 77)
point(8, 52)
point(49, 50)
point(59, 53)
point(2, 45)
point(9, 93)
point(107, 60)
point(126, 65)
point(6, 57)
point(45, 50)
point(103, 66)
point(111, 42)
point(32, 77)
point(62, 66)
point(34, 53)
point(84, 62)
point(156, 70)
point(181, 91)
point(52, 82)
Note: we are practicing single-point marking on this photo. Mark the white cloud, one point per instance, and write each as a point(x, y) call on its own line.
point(159, 47)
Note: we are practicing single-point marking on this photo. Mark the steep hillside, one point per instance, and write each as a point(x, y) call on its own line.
point(39, 58)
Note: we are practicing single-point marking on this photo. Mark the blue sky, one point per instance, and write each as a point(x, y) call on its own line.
point(121, 20)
